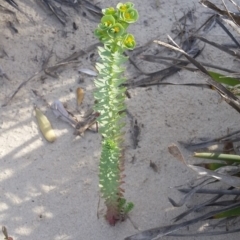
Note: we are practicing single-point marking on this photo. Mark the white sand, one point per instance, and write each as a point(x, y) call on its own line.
point(50, 191)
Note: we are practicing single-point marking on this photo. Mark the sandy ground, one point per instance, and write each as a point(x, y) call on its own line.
point(50, 191)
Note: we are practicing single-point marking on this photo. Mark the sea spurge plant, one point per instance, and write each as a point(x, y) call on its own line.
point(110, 96)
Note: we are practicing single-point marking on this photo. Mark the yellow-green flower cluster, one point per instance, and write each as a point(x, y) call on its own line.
point(112, 29)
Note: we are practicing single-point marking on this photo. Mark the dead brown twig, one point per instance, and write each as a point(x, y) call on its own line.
point(158, 59)
point(49, 70)
point(227, 95)
point(82, 126)
point(234, 17)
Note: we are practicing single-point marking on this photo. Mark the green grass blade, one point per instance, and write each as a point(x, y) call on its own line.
point(224, 79)
point(211, 166)
point(218, 156)
point(229, 213)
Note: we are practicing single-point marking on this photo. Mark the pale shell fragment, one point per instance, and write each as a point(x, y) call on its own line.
point(88, 72)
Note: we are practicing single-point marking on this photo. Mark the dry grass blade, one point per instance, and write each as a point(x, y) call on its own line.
point(81, 3)
point(158, 59)
point(226, 30)
point(233, 16)
point(56, 9)
point(224, 223)
point(219, 46)
point(232, 24)
point(227, 11)
point(48, 70)
point(178, 49)
point(15, 5)
point(208, 24)
point(197, 207)
point(206, 234)
point(7, 11)
point(235, 4)
point(156, 233)
point(91, 7)
point(19, 87)
point(58, 12)
point(80, 53)
point(201, 85)
point(188, 196)
point(160, 75)
point(230, 180)
point(222, 203)
point(232, 137)
point(227, 95)
point(155, 77)
point(131, 60)
point(212, 191)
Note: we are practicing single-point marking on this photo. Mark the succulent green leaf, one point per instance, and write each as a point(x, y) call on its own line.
point(109, 11)
point(116, 30)
point(103, 68)
point(129, 42)
point(119, 59)
point(122, 7)
point(110, 96)
point(128, 207)
point(124, 24)
point(130, 15)
point(107, 21)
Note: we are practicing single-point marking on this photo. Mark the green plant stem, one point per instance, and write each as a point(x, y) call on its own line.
point(218, 156)
point(110, 104)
